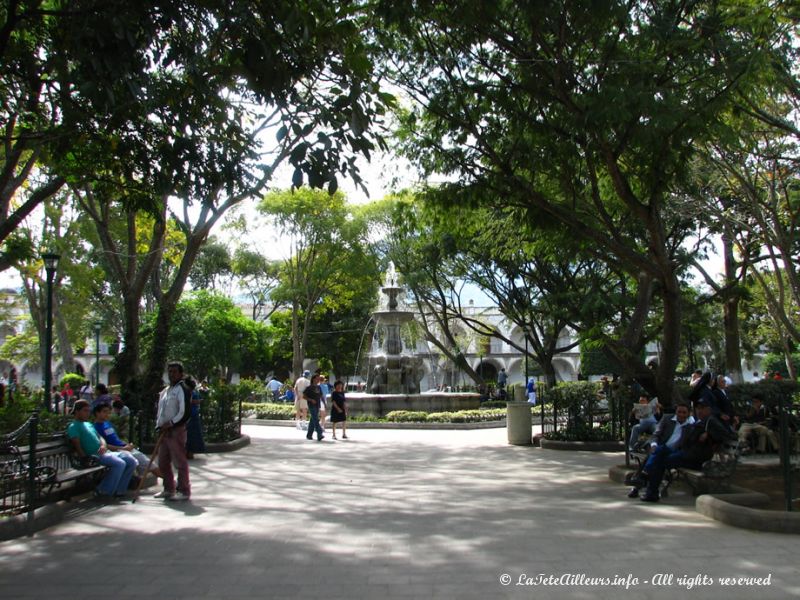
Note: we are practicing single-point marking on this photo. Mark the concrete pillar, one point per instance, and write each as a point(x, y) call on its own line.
point(518, 423)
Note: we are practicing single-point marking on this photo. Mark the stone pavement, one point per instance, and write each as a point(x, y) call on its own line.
point(395, 514)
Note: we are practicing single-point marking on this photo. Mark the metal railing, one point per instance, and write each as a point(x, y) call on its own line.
point(19, 475)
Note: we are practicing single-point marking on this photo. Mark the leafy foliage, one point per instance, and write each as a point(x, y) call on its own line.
point(74, 380)
point(213, 339)
point(584, 116)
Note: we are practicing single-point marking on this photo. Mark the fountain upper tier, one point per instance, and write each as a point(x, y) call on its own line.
point(393, 368)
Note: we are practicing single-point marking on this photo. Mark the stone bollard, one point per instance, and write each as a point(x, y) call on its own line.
point(520, 395)
point(518, 423)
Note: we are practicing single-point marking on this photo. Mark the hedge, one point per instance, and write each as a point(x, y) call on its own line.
point(461, 416)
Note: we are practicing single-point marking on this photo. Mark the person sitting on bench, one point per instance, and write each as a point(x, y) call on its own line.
point(696, 446)
point(103, 426)
point(756, 421)
point(645, 414)
point(665, 439)
point(87, 442)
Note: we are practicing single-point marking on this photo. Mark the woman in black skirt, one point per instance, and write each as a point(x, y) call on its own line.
point(339, 409)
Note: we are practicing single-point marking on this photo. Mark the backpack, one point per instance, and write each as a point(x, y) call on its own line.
point(187, 404)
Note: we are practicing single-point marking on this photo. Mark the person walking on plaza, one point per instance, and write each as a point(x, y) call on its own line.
point(174, 410)
point(338, 409)
point(300, 404)
point(87, 442)
point(313, 395)
point(325, 388)
point(531, 391)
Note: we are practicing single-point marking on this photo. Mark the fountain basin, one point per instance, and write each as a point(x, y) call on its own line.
point(379, 405)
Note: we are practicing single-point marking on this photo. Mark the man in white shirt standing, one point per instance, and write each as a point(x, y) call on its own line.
point(173, 413)
point(300, 403)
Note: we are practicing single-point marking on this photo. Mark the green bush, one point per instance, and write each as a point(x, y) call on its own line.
point(74, 379)
point(14, 414)
point(770, 391)
point(271, 411)
point(581, 433)
point(777, 362)
point(221, 411)
point(251, 390)
point(494, 404)
point(575, 395)
point(461, 416)
point(406, 416)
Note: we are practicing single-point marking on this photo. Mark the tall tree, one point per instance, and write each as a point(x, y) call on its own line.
point(586, 113)
point(212, 266)
point(195, 141)
point(321, 235)
point(259, 276)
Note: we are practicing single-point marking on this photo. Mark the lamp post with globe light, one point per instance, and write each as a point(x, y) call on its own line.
point(50, 266)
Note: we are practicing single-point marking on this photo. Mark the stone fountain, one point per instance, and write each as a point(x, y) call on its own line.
point(395, 368)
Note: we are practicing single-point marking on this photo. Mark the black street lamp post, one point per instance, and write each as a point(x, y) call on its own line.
point(525, 333)
point(97, 326)
point(50, 266)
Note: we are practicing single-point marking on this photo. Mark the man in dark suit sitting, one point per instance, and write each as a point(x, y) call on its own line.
point(695, 447)
point(666, 438)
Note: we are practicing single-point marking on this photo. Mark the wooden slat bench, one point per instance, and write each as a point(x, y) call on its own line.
point(714, 475)
point(58, 470)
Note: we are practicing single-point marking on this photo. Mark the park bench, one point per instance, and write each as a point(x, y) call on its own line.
point(58, 472)
point(714, 475)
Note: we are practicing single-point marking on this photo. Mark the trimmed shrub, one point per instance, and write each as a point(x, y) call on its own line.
point(770, 391)
point(462, 416)
point(575, 395)
point(777, 362)
point(407, 416)
point(582, 433)
point(74, 379)
point(494, 404)
point(271, 411)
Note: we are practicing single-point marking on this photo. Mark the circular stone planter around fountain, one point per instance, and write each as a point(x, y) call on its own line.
point(582, 446)
point(379, 405)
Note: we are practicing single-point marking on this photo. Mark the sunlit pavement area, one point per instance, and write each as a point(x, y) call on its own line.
point(396, 514)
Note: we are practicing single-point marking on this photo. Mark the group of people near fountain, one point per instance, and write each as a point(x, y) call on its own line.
point(311, 396)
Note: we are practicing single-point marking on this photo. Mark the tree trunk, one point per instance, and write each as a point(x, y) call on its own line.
point(127, 361)
point(64, 344)
point(787, 354)
point(549, 372)
point(154, 375)
point(733, 355)
point(671, 341)
point(297, 344)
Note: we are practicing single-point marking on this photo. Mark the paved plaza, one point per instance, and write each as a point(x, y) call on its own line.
point(396, 514)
